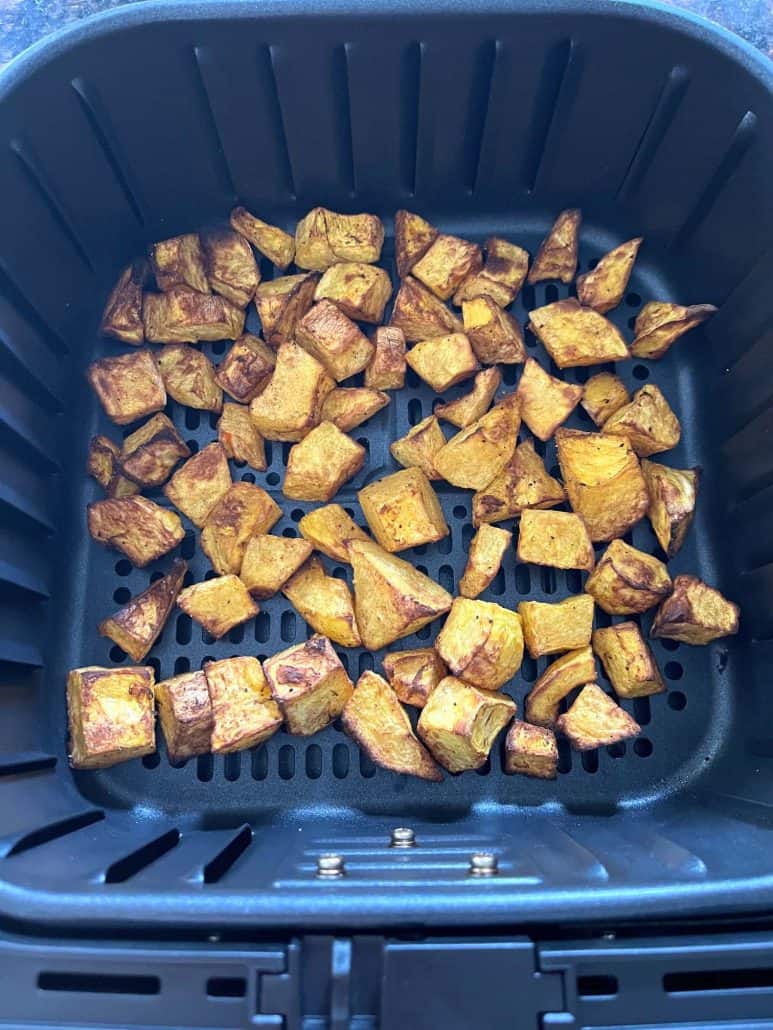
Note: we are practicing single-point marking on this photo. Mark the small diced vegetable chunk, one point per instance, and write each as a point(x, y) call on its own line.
point(218, 604)
point(496, 337)
point(230, 266)
point(574, 669)
point(349, 406)
point(324, 602)
point(604, 287)
point(403, 511)
point(660, 324)
point(545, 401)
point(269, 561)
point(573, 335)
point(460, 723)
point(386, 370)
point(695, 613)
point(628, 661)
point(413, 675)
point(473, 405)
point(648, 422)
point(182, 316)
point(673, 494)
point(122, 317)
point(531, 751)
point(557, 254)
point(321, 463)
point(291, 404)
point(309, 684)
point(110, 715)
point(151, 452)
point(240, 439)
point(200, 483)
point(136, 626)
point(189, 377)
point(282, 303)
point(246, 369)
point(185, 714)
point(179, 262)
point(243, 510)
point(140, 528)
point(335, 340)
point(594, 720)
point(417, 449)
point(104, 464)
point(627, 581)
point(274, 243)
point(484, 559)
point(420, 314)
point(477, 454)
point(553, 628)
point(243, 710)
point(555, 538)
point(443, 361)
point(129, 386)
point(413, 238)
point(329, 530)
point(481, 643)
point(501, 277)
point(324, 238)
point(602, 395)
point(361, 291)
point(446, 263)
point(523, 483)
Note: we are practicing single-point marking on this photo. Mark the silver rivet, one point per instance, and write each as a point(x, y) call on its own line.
point(214, 938)
point(609, 935)
point(483, 863)
point(331, 867)
point(402, 837)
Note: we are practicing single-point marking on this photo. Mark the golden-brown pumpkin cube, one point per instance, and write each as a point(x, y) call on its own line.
point(269, 561)
point(695, 613)
point(443, 361)
point(628, 661)
point(181, 316)
point(309, 684)
point(495, 336)
point(185, 714)
point(545, 401)
point(403, 511)
point(239, 438)
point(200, 483)
point(594, 720)
point(110, 714)
point(420, 314)
point(574, 669)
point(324, 238)
point(282, 303)
point(602, 395)
point(673, 494)
point(660, 324)
point(246, 370)
point(417, 449)
point(324, 602)
point(446, 263)
point(386, 369)
point(648, 422)
point(151, 452)
point(501, 277)
point(218, 604)
point(557, 254)
point(321, 463)
point(523, 483)
point(392, 599)
point(122, 317)
point(140, 528)
point(558, 539)
point(481, 643)
point(477, 454)
point(361, 291)
point(627, 581)
point(336, 341)
point(129, 386)
point(413, 238)
point(274, 243)
point(604, 481)
point(604, 287)
point(329, 530)
point(137, 625)
point(242, 511)
point(104, 464)
point(473, 405)
point(377, 721)
point(561, 626)
point(413, 675)
point(573, 335)
point(531, 751)
point(349, 406)
point(291, 404)
point(230, 266)
point(243, 711)
point(484, 559)
point(460, 723)
point(189, 377)
point(179, 262)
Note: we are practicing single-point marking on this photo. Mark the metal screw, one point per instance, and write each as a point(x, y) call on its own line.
point(483, 863)
point(402, 837)
point(331, 867)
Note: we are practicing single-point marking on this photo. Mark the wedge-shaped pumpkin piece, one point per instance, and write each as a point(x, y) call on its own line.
point(242, 511)
point(122, 317)
point(269, 561)
point(140, 528)
point(484, 559)
point(243, 711)
point(555, 538)
point(291, 404)
point(321, 463)
point(413, 238)
point(648, 422)
point(501, 277)
point(274, 243)
point(377, 721)
point(349, 406)
point(282, 303)
point(137, 625)
point(335, 340)
point(602, 395)
point(239, 438)
point(200, 483)
point(104, 464)
point(496, 337)
point(185, 714)
point(129, 386)
point(545, 402)
point(531, 751)
point(446, 263)
point(574, 669)
point(695, 613)
point(604, 286)
point(557, 254)
point(550, 628)
point(628, 661)
point(673, 495)
point(417, 449)
point(413, 675)
point(477, 454)
point(182, 316)
point(361, 291)
point(189, 377)
point(230, 266)
point(473, 405)
point(573, 335)
point(324, 602)
point(594, 720)
point(151, 452)
point(420, 314)
point(309, 684)
point(179, 262)
point(110, 714)
point(443, 361)
point(218, 604)
point(329, 529)
point(603, 480)
point(386, 369)
point(627, 581)
point(523, 483)
point(324, 238)
point(481, 643)
point(246, 369)
point(460, 723)
point(392, 599)
point(403, 511)
point(660, 324)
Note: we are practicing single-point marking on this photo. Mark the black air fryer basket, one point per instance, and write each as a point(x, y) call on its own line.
point(487, 117)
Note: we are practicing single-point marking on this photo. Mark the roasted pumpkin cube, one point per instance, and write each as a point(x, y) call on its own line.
point(189, 377)
point(332, 338)
point(446, 263)
point(349, 406)
point(324, 238)
point(104, 464)
point(185, 714)
point(545, 402)
point(561, 626)
point(242, 511)
point(627, 581)
point(460, 723)
point(473, 405)
point(243, 711)
point(557, 254)
point(695, 613)
point(386, 369)
point(413, 238)
point(523, 483)
point(481, 643)
point(628, 661)
point(137, 625)
point(604, 287)
point(200, 483)
point(246, 370)
point(329, 530)
point(413, 675)
point(531, 751)
point(594, 720)
point(179, 262)
point(274, 243)
point(282, 303)
point(477, 454)
point(417, 449)
point(501, 277)
point(151, 452)
point(110, 713)
point(558, 539)
point(291, 404)
point(673, 494)
point(403, 511)
point(324, 602)
point(122, 317)
point(648, 422)
point(443, 361)
point(269, 561)
point(129, 386)
point(361, 291)
point(309, 684)
point(574, 669)
point(181, 316)
point(484, 559)
point(218, 604)
point(321, 463)
point(377, 721)
point(573, 335)
point(495, 336)
point(239, 438)
point(660, 324)
point(602, 395)
point(230, 266)
point(139, 528)
point(419, 313)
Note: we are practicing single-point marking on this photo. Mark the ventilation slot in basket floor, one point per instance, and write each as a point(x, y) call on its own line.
point(98, 983)
point(126, 868)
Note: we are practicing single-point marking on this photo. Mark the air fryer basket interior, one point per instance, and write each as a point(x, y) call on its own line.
point(156, 120)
